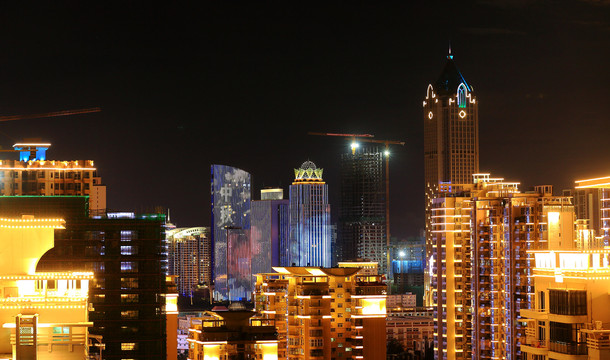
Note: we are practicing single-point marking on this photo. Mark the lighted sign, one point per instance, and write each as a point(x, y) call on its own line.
point(462, 114)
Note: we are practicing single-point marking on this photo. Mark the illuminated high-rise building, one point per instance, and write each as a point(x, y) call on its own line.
point(231, 193)
point(190, 257)
point(310, 228)
point(325, 313)
point(34, 174)
point(481, 265)
point(451, 138)
point(270, 228)
point(362, 215)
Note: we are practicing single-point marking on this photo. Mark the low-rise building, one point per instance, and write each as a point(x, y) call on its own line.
point(229, 334)
point(324, 313)
point(42, 315)
point(415, 333)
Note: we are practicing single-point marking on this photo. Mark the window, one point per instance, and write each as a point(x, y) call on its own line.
point(128, 346)
point(568, 302)
point(129, 250)
point(129, 266)
point(129, 283)
point(61, 333)
point(129, 314)
point(130, 298)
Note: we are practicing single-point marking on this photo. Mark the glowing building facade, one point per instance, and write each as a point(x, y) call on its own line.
point(33, 174)
point(310, 228)
point(42, 315)
point(481, 268)
point(592, 200)
point(324, 313)
point(451, 139)
point(231, 194)
point(190, 257)
point(239, 265)
point(570, 316)
point(270, 229)
point(125, 254)
point(362, 215)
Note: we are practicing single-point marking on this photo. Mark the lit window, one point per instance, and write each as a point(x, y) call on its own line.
point(128, 346)
point(129, 266)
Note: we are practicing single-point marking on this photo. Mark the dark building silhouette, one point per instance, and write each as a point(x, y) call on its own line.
point(362, 215)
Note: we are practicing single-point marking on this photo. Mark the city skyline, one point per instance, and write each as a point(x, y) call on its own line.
point(212, 84)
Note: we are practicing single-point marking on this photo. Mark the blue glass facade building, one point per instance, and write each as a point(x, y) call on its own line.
point(310, 228)
point(269, 234)
point(231, 194)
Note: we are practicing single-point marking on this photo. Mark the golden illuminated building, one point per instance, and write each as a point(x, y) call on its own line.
point(324, 313)
point(231, 335)
point(592, 196)
point(480, 266)
point(33, 174)
point(42, 315)
point(570, 316)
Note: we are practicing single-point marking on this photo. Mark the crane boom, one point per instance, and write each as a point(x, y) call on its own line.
point(344, 135)
point(50, 114)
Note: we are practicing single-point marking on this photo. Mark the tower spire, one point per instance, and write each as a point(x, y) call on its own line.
point(450, 56)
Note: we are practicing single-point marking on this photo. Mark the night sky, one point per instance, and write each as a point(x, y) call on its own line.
point(241, 84)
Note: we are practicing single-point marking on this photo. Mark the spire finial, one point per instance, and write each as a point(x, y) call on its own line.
point(450, 56)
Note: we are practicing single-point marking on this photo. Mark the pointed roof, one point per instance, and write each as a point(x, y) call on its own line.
point(450, 79)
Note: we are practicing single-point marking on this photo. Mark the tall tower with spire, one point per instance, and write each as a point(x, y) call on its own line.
point(451, 140)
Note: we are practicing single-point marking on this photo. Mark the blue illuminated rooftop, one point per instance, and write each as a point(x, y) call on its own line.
point(32, 151)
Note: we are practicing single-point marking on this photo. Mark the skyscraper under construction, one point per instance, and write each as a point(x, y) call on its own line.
point(362, 216)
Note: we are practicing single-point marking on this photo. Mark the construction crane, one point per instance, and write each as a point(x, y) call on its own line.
point(354, 145)
point(45, 115)
point(50, 114)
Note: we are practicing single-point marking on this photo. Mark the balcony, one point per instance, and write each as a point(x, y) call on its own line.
point(536, 314)
point(536, 347)
point(567, 351)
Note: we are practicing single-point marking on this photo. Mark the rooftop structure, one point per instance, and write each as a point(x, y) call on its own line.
point(33, 174)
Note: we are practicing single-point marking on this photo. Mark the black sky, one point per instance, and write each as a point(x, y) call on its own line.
point(185, 86)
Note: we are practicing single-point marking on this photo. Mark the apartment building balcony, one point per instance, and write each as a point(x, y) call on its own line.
point(567, 351)
point(566, 319)
point(536, 347)
point(536, 314)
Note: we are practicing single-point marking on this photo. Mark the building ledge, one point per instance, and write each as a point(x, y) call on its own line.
point(534, 350)
point(568, 319)
point(562, 356)
point(534, 314)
